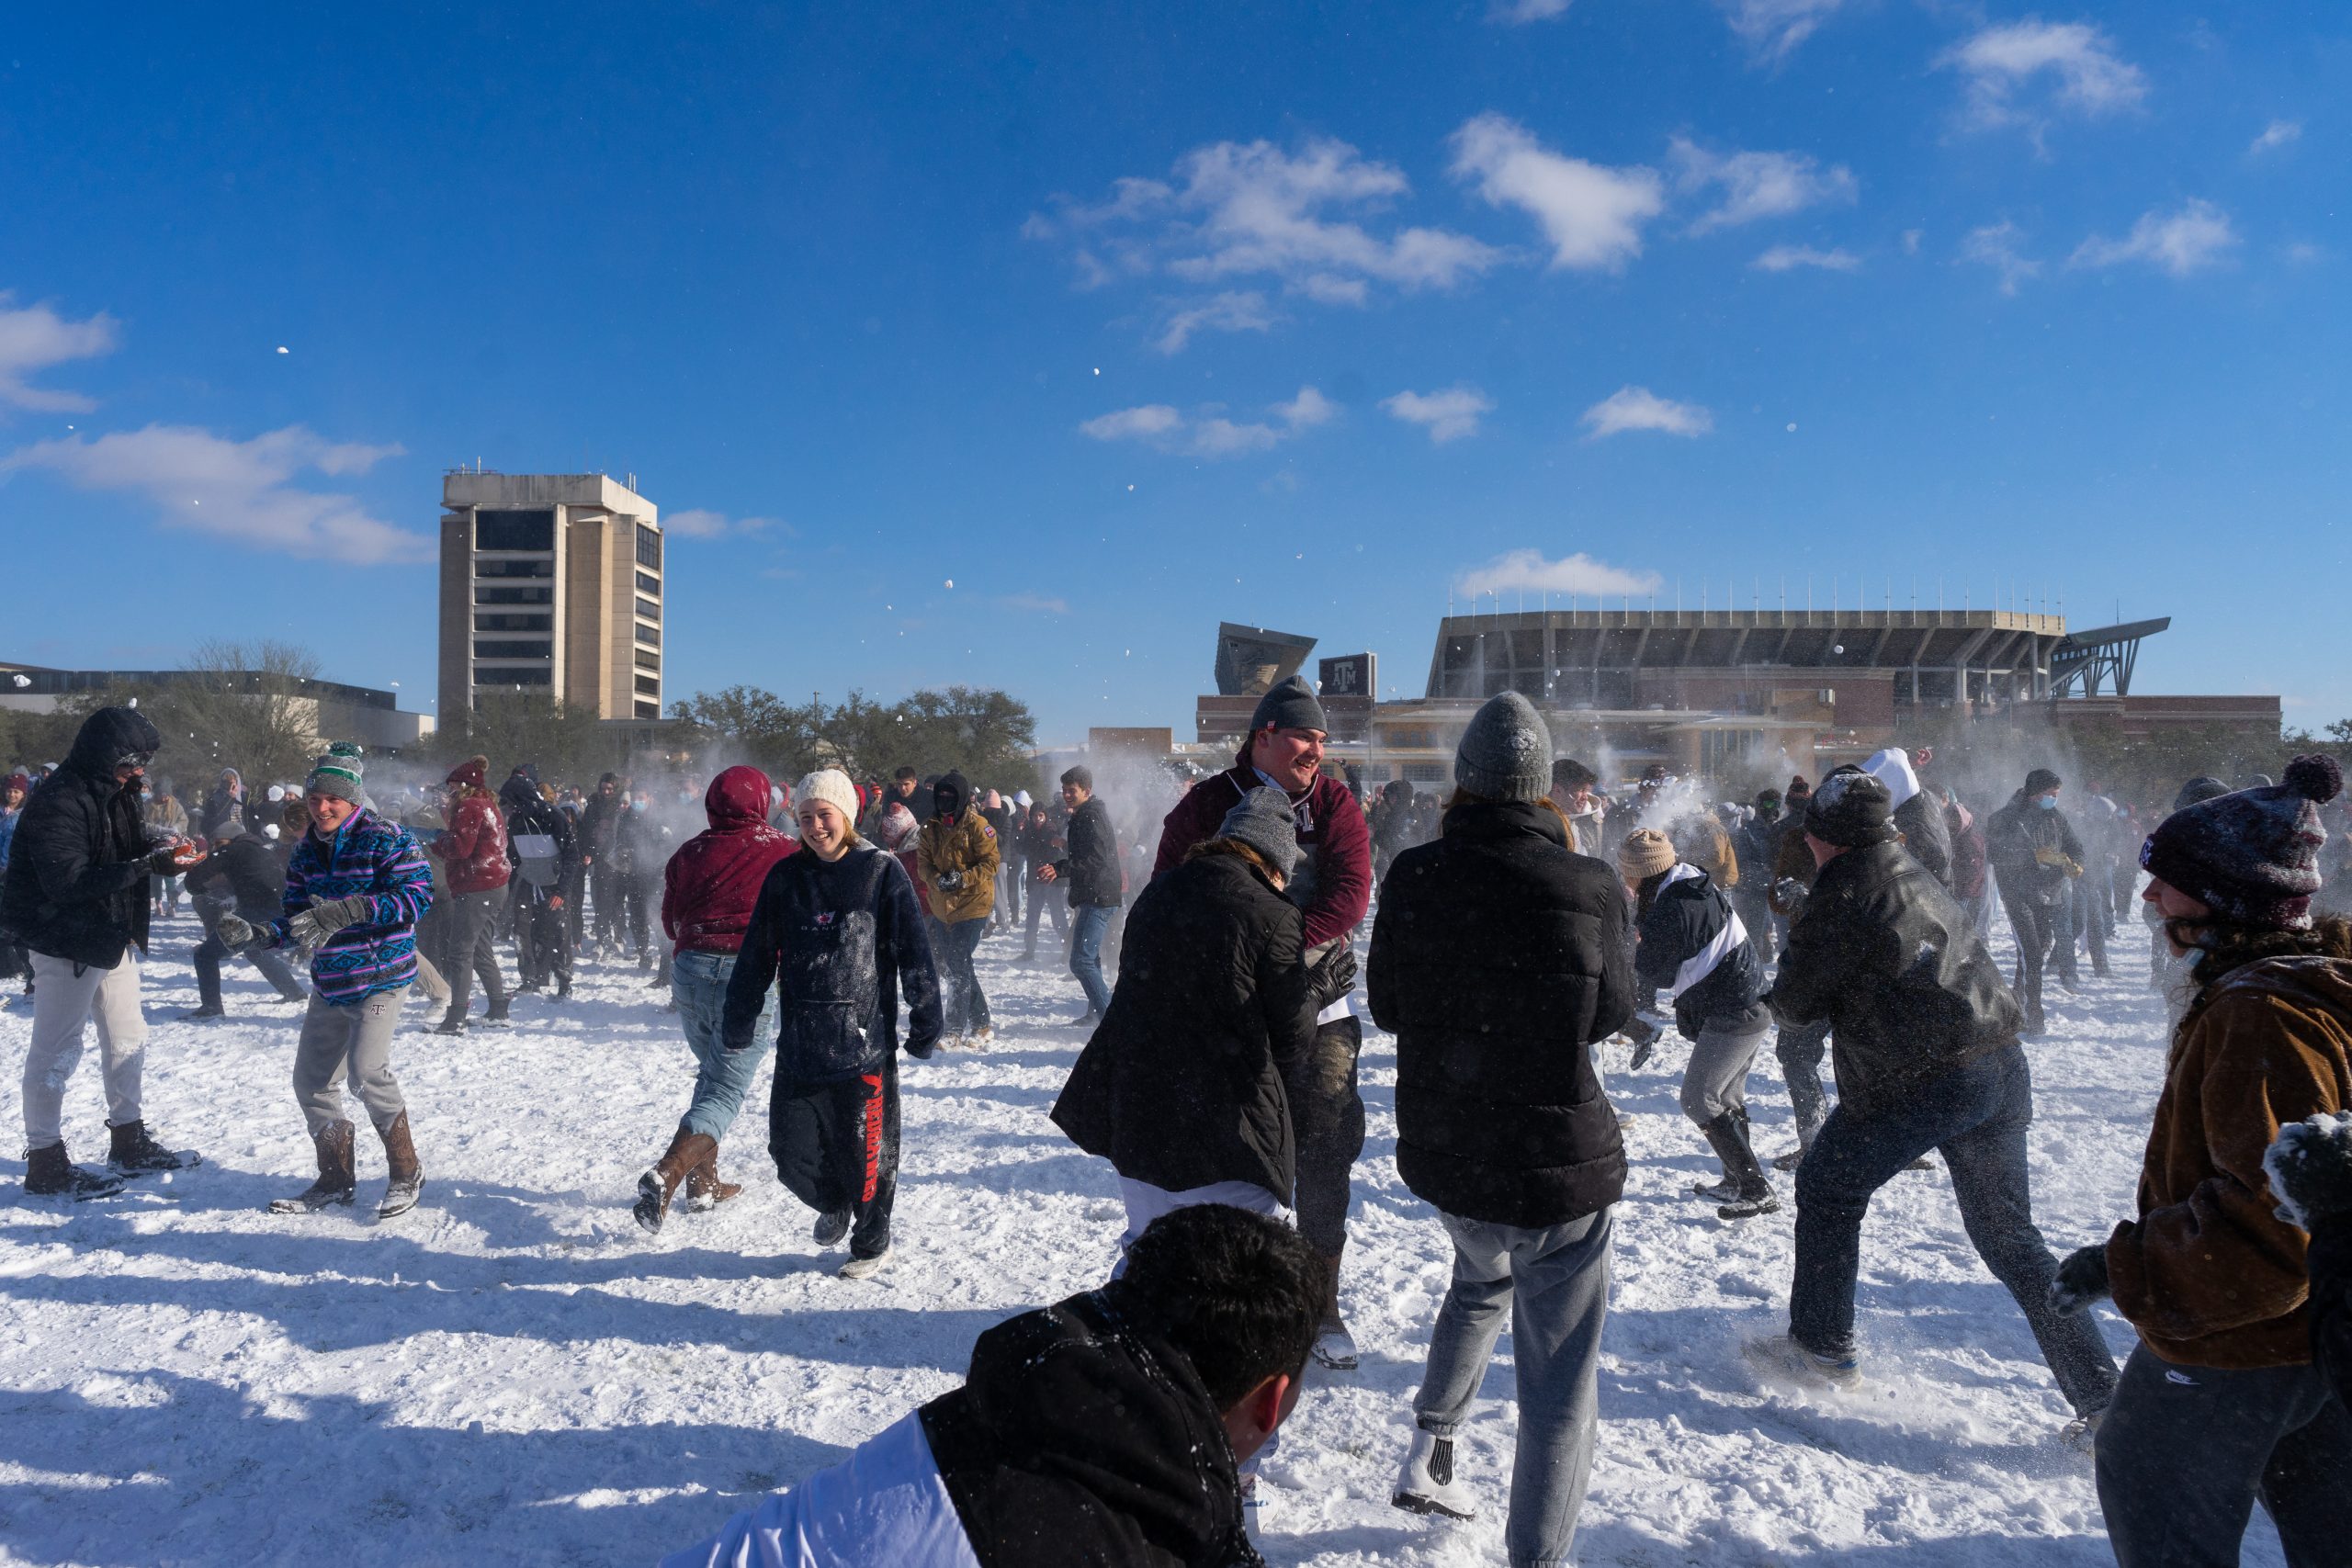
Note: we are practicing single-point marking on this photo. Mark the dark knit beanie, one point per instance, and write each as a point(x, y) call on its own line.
point(1852, 808)
point(337, 774)
point(1263, 821)
point(1506, 754)
point(2252, 855)
point(1292, 705)
point(2205, 786)
point(2042, 781)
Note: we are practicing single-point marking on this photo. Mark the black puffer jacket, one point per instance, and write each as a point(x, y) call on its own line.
point(1090, 868)
point(246, 874)
point(76, 887)
point(1884, 953)
point(2014, 835)
point(1187, 1081)
point(1498, 958)
point(1081, 1437)
point(530, 814)
point(1689, 925)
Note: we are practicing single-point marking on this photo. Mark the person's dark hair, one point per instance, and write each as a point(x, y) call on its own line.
point(2222, 948)
point(1570, 774)
point(1249, 852)
point(1240, 1294)
point(906, 775)
point(1080, 775)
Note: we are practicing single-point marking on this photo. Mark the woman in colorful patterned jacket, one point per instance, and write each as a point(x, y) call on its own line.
point(355, 888)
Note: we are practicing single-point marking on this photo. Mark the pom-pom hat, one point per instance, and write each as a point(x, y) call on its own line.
point(2252, 855)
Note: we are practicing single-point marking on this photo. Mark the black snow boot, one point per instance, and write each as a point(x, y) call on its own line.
point(1727, 1135)
point(136, 1152)
point(49, 1174)
point(338, 1181)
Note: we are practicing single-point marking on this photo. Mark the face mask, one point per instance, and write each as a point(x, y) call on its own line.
point(2047, 802)
point(638, 805)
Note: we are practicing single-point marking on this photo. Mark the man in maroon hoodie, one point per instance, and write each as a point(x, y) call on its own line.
point(1332, 886)
point(472, 850)
point(707, 891)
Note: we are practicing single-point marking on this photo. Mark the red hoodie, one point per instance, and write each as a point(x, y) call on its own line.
point(711, 885)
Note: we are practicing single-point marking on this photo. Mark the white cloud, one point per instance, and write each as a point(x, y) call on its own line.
point(2181, 243)
point(1757, 185)
point(238, 489)
point(1638, 407)
point(1999, 247)
point(1531, 571)
point(1591, 214)
point(1209, 434)
point(1236, 210)
point(1036, 605)
point(1448, 415)
point(1911, 238)
point(698, 523)
point(2001, 65)
point(1773, 29)
point(1788, 258)
point(2278, 133)
point(1235, 310)
point(1519, 13)
point(34, 339)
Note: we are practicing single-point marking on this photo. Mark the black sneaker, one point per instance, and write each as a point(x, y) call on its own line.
point(450, 1026)
point(136, 1152)
point(208, 1009)
point(1748, 1205)
point(49, 1174)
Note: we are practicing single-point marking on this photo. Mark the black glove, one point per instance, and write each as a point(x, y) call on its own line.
point(1331, 977)
point(2082, 1279)
point(951, 882)
point(922, 1050)
point(2311, 1170)
point(239, 933)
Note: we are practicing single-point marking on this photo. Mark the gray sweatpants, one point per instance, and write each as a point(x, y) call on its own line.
point(1716, 1079)
point(354, 1041)
point(67, 998)
point(1554, 1283)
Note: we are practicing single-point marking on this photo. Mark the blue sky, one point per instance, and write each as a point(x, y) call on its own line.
point(1128, 320)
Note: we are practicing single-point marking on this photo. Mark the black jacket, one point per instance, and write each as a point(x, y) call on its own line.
point(245, 871)
point(2330, 1267)
point(1686, 921)
point(1921, 820)
point(1498, 958)
point(1188, 1079)
point(76, 887)
point(2014, 835)
point(1090, 868)
point(1082, 1439)
point(1884, 953)
point(600, 822)
point(528, 812)
point(641, 846)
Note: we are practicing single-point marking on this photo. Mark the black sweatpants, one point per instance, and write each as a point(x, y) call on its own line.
point(1327, 1119)
point(836, 1148)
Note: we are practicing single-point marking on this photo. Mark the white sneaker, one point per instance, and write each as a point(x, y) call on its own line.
point(865, 1268)
point(1427, 1483)
point(982, 1037)
point(2081, 1434)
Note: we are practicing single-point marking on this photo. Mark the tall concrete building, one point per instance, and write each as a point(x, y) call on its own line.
point(550, 583)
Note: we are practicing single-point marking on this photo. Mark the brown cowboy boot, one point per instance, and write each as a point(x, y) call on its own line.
point(407, 1176)
point(705, 1190)
point(337, 1180)
point(660, 1184)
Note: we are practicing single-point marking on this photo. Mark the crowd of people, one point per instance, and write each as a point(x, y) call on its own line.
point(1514, 932)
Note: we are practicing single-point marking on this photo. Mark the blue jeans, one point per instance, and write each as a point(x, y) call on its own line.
point(1976, 1114)
point(699, 983)
point(1089, 924)
point(960, 997)
point(1553, 1281)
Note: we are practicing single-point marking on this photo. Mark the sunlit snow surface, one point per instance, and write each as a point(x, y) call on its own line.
point(516, 1373)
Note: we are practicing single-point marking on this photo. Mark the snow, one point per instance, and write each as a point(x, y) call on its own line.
point(514, 1373)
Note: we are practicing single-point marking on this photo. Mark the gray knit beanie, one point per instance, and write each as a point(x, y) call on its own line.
point(1506, 754)
point(1263, 822)
point(338, 774)
point(1292, 705)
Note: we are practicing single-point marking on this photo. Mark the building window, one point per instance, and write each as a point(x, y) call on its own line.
point(514, 530)
point(485, 647)
point(650, 635)
point(649, 710)
point(649, 687)
point(649, 609)
point(649, 547)
point(515, 675)
point(651, 585)
point(513, 568)
point(1425, 772)
point(648, 662)
point(484, 596)
point(491, 621)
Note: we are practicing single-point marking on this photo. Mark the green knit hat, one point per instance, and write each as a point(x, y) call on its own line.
point(338, 774)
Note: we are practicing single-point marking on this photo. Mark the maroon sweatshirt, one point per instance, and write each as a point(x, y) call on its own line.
point(711, 885)
point(1333, 882)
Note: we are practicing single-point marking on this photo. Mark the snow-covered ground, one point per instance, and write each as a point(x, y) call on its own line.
point(516, 1373)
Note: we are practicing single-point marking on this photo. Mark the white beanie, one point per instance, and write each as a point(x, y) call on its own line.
point(1022, 800)
point(830, 785)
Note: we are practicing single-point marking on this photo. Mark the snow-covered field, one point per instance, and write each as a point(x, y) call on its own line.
point(514, 1373)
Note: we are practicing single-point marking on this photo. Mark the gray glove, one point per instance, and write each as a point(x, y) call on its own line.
point(238, 931)
point(319, 921)
point(1331, 977)
point(2082, 1279)
point(2311, 1170)
point(1645, 1032)
point(951, 882)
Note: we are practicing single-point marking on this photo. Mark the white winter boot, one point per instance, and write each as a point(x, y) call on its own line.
point(1427, 1483)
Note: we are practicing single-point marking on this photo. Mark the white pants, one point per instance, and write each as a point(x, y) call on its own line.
point(64, 1004)
point(1146, 1203)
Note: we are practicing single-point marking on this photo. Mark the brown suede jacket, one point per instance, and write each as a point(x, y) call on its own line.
point(2208, 1274)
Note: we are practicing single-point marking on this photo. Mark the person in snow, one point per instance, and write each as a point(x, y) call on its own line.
point(1041, 845)
point(225, 799)
point(1918, 816)
point(166, 821)
point(640, 852)
point(76, 896)
point(1695, 948)
point(1092, 872)
point(16, 963)
point(2309, 1167)
point(836, 933)
point(1108, 1429)
point(355, 888)
point(1332, 886)
point(1926, 1038)
point(1798, 1048)
point(600, 822)
point(1186, 1085)
point(2171, 972)
point(1576, 791)
point(1752, 848)
point(993, 809)
point(957, 853)
point(708, 893)
point(2221, 1403)
point(241, 876)
point(1971, 877)
point(2035, 856)
point(1498, 960)
point(540, 852)
point(472, 853)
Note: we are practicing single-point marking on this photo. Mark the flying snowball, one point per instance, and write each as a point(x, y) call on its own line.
point(1838, 648)
point(281, 348)
point(1792, 429)
point(951, 582)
